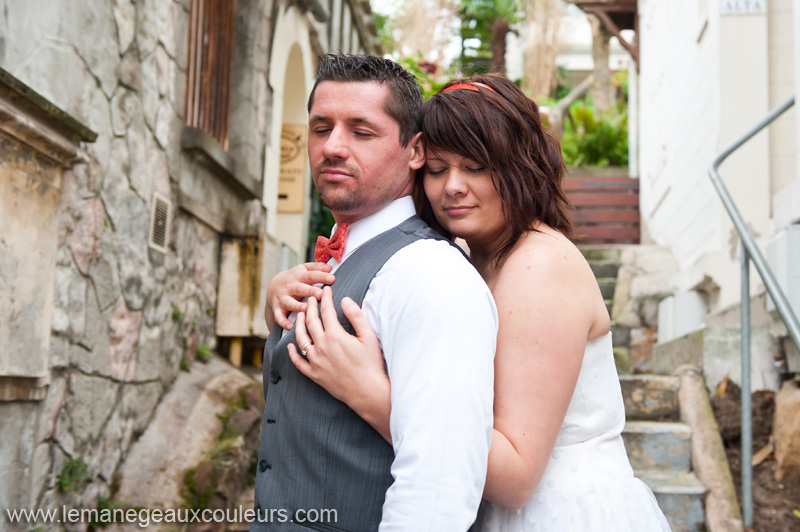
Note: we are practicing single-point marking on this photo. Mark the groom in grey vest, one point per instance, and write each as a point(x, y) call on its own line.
point(320, 466)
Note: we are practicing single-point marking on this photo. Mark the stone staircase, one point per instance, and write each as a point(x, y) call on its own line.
point(658, 442)
point(659, 448)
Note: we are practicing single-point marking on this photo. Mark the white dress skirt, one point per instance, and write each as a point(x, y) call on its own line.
point(588, 485)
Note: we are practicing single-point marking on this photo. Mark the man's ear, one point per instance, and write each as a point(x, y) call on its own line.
point(417, 147)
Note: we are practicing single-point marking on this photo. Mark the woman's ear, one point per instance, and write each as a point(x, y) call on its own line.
point(417, 147)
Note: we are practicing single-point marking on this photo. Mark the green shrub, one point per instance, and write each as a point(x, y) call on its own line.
point(204, 353)
point(595, 141)
point(72, 476)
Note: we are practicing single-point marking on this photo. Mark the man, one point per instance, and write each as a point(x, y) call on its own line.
point(434, 317)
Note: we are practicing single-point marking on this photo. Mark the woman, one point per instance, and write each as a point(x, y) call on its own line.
point(493, 178)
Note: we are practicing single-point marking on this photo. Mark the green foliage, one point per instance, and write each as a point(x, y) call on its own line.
point(177, 313)
point(194, 499)
point(104, 503)
point(385, 31)
point(240, 401)
point(72, 476)
point(424, 72)
point(796, 513)
point(204, 353)
point(185, 364)
point(593, 140)
point(477, 19)
point(320, 223)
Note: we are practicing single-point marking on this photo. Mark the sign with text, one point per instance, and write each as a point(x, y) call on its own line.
point(744, 7)
point(292, 176)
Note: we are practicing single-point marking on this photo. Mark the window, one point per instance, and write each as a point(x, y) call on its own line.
point(208, 80)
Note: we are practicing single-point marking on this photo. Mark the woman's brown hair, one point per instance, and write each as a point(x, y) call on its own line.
point(501, 129)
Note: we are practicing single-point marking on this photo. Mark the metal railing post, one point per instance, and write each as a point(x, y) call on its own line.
point(747, 410)
point(751, 251)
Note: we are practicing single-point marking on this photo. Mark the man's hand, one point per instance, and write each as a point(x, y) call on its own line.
point(288, 290)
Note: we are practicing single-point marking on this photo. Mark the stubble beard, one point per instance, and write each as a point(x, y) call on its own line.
point(338, 197)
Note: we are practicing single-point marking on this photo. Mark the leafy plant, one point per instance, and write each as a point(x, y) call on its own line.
point(185, 364)
point(204, 353)
point(105, 507)
point(195, 499)
point(596, 141)
point(424, 72)
point(73, 475)
point(177, 313)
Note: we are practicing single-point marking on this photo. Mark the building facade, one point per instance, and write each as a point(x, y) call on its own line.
point(151, 177)
point(709, 71)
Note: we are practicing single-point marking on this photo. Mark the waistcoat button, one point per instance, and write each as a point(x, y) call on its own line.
point(274, 377)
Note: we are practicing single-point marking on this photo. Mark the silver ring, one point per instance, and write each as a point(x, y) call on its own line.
point(305, 349)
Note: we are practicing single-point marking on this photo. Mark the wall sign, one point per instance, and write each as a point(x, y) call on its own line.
point(744, 7)
point(292, 175)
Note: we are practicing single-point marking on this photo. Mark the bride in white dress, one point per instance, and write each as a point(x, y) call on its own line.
point(493, 177)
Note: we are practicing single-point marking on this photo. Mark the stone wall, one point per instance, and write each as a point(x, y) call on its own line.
point(121, 317)
point(123, 314)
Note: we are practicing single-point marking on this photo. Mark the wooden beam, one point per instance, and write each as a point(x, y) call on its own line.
point(602, 14)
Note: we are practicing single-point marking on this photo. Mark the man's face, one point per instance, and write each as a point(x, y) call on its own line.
point(357, 162)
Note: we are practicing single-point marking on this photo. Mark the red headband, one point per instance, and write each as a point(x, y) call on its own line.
point(469, 86)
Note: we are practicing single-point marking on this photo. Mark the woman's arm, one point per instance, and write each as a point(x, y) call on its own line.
point(288, 289)
point(350, 368)
point(547, 300)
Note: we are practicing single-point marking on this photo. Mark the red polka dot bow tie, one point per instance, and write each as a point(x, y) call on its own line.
point(333, 247)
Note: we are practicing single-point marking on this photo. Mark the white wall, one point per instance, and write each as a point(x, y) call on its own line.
point(701, 86)
point(679, 90)
point(291, 79)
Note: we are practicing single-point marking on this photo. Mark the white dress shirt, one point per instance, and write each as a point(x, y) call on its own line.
point(437, 325)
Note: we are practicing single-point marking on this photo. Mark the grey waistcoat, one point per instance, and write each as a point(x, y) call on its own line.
point(316, 453)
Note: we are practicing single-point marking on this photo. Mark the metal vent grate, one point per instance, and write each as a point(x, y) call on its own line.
point(159, 222)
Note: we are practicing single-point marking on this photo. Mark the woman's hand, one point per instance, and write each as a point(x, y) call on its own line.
point(350, 368)
point(288, 289)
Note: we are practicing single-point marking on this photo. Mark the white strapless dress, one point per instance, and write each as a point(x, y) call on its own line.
point(588, 485)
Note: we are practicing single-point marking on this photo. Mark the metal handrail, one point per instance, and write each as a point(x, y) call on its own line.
point(751, 251)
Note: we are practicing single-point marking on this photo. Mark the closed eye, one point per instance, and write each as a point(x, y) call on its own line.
point(431, 171)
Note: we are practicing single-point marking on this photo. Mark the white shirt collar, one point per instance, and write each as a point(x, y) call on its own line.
point(376, 223)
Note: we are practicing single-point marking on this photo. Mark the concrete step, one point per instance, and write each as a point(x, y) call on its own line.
point(607, 287)
point(650, 397)
point(601, 254)
point(680, 496)
point(658, 445)
point(605, 270)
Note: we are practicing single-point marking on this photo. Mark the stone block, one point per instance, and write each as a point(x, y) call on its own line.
point(642, 340)
point(105, 281)
point(605, 270)
point(650, 397)
point(85, 239)
point(184, 430)
point(687, 349)
point(601, 254)
point(786, 433)
point(620, 335)
point(681, 497)
point(622, 360)
point(716, 351)
point(125, 17)
point(658, 446)
point(123, 342)
point(93, 35)
point(607, 288)
point(90, 405)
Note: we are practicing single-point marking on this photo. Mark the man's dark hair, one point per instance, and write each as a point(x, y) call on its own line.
point(404, 102)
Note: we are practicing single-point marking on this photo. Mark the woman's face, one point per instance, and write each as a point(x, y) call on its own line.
point(463, 197)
